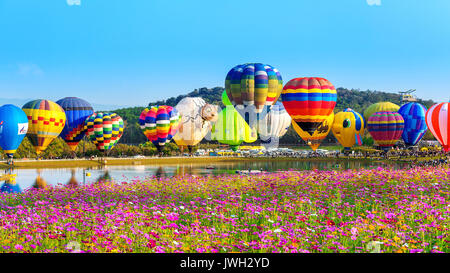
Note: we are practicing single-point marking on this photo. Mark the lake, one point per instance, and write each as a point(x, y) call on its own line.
point(26, 178)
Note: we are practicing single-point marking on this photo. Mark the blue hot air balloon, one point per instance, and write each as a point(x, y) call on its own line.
point(77, 111)
point(415, 125)
point(13, 128)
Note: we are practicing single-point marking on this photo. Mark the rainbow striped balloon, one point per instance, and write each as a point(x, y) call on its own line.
point(159, 124)
point(386, 128)
point(104, 130)
point(309, 101)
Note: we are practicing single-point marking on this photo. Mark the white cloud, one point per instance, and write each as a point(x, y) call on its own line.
point(73, 2)
point(374, 2)
point(29, 69)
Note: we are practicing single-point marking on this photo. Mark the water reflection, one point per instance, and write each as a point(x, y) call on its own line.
point(26, 178)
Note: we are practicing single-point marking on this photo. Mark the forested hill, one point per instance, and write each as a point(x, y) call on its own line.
point(355, 99)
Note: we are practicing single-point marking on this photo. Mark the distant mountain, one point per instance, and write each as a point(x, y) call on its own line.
point(347, 98)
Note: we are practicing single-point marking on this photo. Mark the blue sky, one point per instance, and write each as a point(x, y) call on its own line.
point(132, 52)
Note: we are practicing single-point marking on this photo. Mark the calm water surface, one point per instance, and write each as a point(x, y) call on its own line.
point(27, 178)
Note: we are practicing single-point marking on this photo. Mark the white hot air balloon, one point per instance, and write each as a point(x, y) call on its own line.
point(274, 125)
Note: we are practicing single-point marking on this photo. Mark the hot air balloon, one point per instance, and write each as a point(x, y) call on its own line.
point(413, 114)
point(438, 121)
point(104, 130)
point(159, 124)
point(385, 128)
point(319, 134)
point(380, 107)
point(231, 128)
point(309, 101)
point(77, 111)
point(13, 128)
point(252, 88)
point(46, 120)
point(348, 128)
point(274, 125)
point(196, 121)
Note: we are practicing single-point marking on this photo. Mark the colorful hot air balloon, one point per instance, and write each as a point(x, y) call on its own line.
point(104, 130)
point(309, 101)
point(319, 134)
point(348, 128)
point(77, 111)
point(413, 114)
point(274, 125)
point(380, 107)
point(46, 120)
point(386, 128)
point(252, 88)
point(196, 121)
point(159, 124)
point(438, 121)
point(13, 128)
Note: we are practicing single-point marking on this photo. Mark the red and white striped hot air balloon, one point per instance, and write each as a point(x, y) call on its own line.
point(438, 121)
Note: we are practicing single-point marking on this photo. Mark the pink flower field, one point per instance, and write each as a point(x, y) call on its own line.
point(378, 210)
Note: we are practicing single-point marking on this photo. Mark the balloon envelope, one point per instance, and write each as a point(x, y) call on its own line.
point(77, 111)
point(438, 121)
point(46, 120)
point(196, 120)
point(318, 135)
point(275, 124)
point(348, 128)
point(13, 128)
point(380, 107)
point(159, 124)
point(104, 130)
point(413, 114)
point(386, 128)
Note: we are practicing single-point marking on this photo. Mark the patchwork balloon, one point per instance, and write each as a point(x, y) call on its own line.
point(413, 114)
point(159, 124)
point(386, 128)
point(46, 120)
point(77, 111)
point(252, 88)
point(104, 130)
point(13, 128)
point(438, 121)
point(348, 128)
point(309, 101)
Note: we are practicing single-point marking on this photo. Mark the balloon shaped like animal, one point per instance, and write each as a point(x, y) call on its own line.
point(252, 88)
point(438, 121)
point(13, 128)
point(46, 120)
point(274, 125)
point(159, 124)
point(413, 114)
point(104, 130)
point(384, 106)
point(386, 128)
point(348, 128)
point(77, 111)
point(197, 118)
point(318, 135)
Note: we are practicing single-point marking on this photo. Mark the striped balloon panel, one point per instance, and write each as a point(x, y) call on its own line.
point(77, 110)
point(46, 120)
point(386, 128)
point(159, 124)
point(413, 114)
point(253, 84)
point(104, 130)
point(309, 101)
point(385, 106)
point(438, 121)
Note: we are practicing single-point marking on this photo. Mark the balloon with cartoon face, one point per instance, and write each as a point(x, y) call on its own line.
point(348, 128)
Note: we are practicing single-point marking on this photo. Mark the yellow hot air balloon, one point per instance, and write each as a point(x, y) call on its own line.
point(384, 106)
point(348, 128)
point(46, 120)
point(319, 134)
